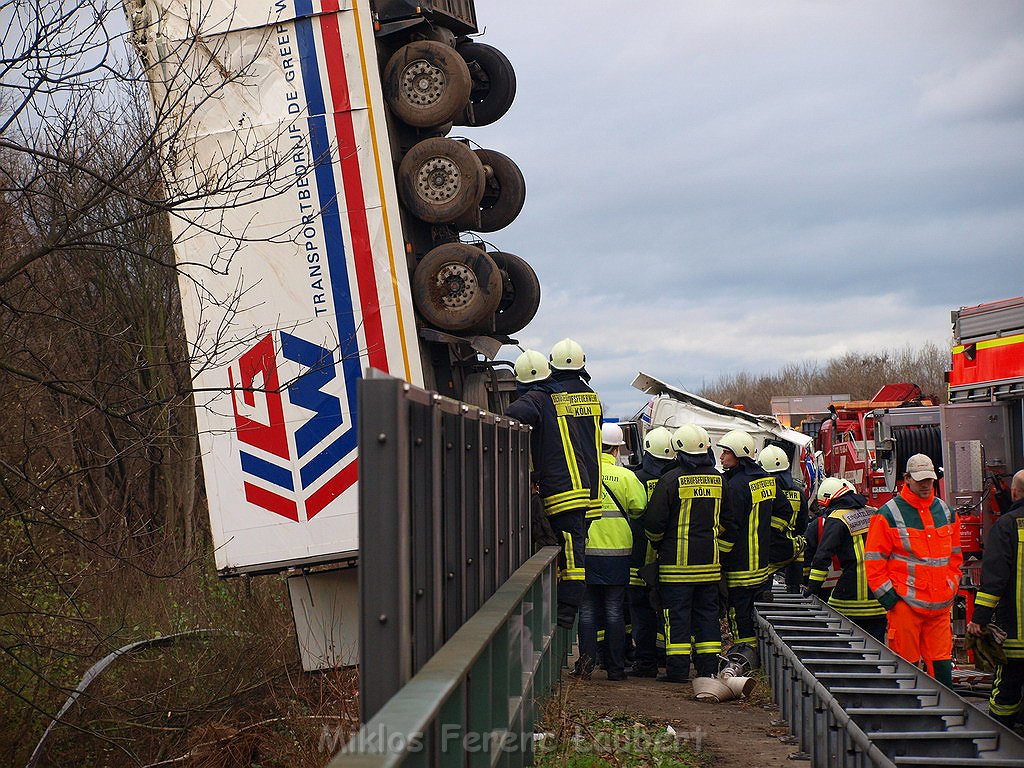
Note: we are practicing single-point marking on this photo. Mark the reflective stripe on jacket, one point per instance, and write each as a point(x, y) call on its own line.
point(1001, 596)
point(565, 444)
point(913, 553)
point(643, 552)
point(785, 529)
point(683, 522)
point(610, 539)
point(754, 497)
point(845, 531)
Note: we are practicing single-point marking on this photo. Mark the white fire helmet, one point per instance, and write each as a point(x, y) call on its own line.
point(531, 366)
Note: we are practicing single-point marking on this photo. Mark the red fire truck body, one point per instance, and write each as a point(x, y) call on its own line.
point(847, 440)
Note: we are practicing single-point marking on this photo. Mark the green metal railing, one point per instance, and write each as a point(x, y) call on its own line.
point(474, 702)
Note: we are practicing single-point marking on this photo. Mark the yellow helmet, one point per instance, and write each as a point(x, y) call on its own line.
point(832, 488)
point(658, 443)
point(691, 439)
point(567, 355)
point(773, 459)
point(531, 366)
point(739, 442)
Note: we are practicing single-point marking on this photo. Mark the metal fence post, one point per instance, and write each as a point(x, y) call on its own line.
point(476, 539)
point(383, 481)
point(485, 509)
point(455, 527)
point(425, 509)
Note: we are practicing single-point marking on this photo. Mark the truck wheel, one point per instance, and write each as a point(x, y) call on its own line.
point(504, 191)
point(520, 297)
point(494, 83)
point(440, 179)
point(455, 286)
point(426, 83)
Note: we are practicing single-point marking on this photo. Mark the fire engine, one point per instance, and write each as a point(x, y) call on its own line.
point(977, 438)
point(847, 439)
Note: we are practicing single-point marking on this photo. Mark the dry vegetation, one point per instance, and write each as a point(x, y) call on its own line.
point(103, 533)
point(859, 373)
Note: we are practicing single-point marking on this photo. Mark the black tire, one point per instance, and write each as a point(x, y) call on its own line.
point(493, 83)
point(427, 83)
point(520, 298)
point(504, 191)
point(456, 286)
point(440, 179)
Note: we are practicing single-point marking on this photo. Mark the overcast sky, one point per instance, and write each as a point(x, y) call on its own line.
point(717, 187)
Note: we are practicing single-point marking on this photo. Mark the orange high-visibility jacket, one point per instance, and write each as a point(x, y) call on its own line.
point(912, 553)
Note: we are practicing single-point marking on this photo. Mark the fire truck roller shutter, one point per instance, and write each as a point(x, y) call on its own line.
point(910, 440)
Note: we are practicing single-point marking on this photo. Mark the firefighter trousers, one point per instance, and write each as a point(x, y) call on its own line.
point(691, 626)
point(873, 625)
point(794, 573)
point(570, 529)
point(644, 621)
point(1007, 699)
point(741, 615)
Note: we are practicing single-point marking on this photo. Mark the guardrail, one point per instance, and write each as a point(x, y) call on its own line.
point(473, 702)
point(853, 703)
point(444, 520)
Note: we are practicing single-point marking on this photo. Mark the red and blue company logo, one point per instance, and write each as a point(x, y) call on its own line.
point(297, 451)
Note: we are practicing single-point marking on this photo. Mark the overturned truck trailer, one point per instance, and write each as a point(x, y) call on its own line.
point(324, 223)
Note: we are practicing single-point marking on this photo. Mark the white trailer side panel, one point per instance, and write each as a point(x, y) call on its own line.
point(293, 269)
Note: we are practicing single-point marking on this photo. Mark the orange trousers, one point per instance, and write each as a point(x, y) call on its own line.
point(917, 635)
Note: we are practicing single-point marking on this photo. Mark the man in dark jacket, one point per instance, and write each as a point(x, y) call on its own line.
point(1002, 584)
point(812, 537)
point(753, 499)
point(787, 547)
point(565, 448)
point(683, 523)
point(658, 457)
point(848, 517)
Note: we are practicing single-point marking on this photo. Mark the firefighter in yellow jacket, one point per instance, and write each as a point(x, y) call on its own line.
point(609, 546)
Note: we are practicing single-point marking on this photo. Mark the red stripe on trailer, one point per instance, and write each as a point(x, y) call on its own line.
point(352, 179)
point(331, 489)
point(271, 502)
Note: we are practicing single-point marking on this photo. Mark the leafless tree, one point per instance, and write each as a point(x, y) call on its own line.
point(861, 374)
point(100, 494)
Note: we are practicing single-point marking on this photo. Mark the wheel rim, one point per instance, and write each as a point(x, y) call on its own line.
point(438, 180)
point(457, 285)
point(423, 84)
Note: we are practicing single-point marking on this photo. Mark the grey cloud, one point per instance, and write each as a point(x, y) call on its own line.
point(855, 168)
point(991, 88)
